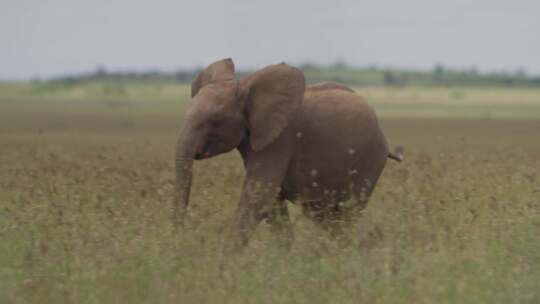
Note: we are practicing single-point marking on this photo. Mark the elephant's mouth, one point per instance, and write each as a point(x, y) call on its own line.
point(212, 147)
point(200, 156)
point(203, 153)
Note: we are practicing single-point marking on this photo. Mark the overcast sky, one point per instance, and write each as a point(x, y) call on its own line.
point(54, 37)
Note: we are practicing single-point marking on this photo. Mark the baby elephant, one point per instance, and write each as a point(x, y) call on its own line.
point(321, 144)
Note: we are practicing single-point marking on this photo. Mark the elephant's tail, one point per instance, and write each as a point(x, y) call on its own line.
point(397, 155)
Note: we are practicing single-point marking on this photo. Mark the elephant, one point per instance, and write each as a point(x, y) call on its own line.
point(321, 145)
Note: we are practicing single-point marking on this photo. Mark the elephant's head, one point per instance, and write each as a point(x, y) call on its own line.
point(226, 111)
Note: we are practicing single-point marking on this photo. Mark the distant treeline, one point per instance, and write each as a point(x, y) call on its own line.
point(355, 76)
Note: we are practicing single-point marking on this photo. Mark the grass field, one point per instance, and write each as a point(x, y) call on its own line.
point(86, 185)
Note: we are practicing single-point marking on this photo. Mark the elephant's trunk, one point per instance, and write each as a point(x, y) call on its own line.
point(186, 149)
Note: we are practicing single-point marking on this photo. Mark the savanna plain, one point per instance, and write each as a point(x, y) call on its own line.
point(86, 186)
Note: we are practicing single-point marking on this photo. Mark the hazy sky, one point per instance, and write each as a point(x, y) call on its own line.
point(53, 37)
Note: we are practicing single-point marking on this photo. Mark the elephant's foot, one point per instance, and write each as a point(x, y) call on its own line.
point(280, 224)
point(283, 234)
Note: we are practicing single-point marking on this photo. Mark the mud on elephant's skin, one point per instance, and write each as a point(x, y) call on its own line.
point(321, 144)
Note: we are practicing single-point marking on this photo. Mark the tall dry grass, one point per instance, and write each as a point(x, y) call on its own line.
point(85, 218)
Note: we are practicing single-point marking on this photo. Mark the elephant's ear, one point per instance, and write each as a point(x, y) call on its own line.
point(221, 70)
point(275, 93)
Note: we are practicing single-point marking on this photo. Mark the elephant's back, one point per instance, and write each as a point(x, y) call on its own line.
point(327, 111)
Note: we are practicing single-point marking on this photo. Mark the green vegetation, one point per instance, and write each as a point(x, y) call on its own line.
point(439, 76)
point(86, 180)
point(340, 72)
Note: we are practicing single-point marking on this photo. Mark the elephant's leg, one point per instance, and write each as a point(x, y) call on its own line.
point(326, 214)
point(280, 223)
point(265, 171)
point(368, 175)
point(259, 201)
point(249, 214)
point(362, 187)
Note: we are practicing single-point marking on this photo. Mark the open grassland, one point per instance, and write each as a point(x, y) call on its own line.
point(398, 102)
point(86, 186)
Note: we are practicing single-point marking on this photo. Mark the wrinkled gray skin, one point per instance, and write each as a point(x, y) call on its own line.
point(321, 144)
